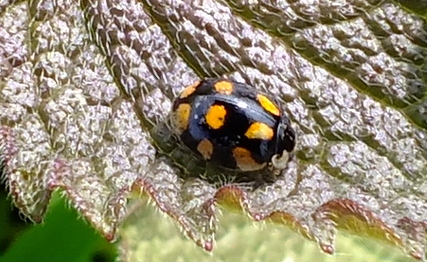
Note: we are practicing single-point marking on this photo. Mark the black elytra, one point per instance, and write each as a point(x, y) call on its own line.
point(233, 125)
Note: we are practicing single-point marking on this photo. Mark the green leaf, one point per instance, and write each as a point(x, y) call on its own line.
point(62, 237)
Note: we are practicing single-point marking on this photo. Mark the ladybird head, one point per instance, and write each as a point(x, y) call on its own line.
point(285, 143)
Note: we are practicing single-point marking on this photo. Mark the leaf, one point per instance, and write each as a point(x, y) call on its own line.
point(77, 241)
point(86, 89)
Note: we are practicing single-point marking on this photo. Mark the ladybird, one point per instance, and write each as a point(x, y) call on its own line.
point(233, 125)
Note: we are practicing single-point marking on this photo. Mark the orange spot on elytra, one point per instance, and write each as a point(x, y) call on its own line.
point(268, 105)
point(224, 87)
point(181, 116)
point(259, 131)
point(215, 116)
point(189, 90)
point(205, 148)
point(244, 160)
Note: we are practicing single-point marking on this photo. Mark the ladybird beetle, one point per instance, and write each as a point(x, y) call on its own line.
point(233, 125)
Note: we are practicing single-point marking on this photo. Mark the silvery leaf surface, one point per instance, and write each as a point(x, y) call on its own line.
point(86, 88)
